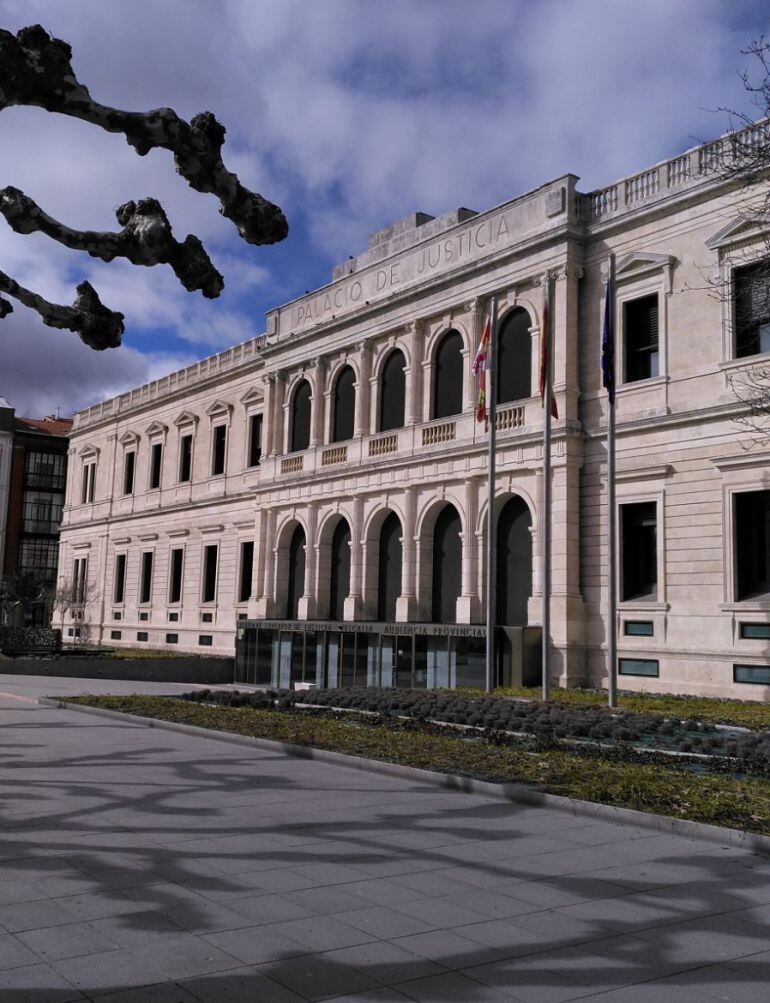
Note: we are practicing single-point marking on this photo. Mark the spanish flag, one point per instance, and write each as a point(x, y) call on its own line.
point(545, 360)
point(480, 366)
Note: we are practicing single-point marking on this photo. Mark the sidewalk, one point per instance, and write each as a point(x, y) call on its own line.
point(145, 865)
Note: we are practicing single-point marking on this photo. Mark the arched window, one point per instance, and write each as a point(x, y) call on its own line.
point(514, 562)
point(514, 358)
point(392, 391)
point(448, 380)
point(447, 565)
point(300, 418)
point(296, 573)
point(344, 405)
point(389, 569)
point(340, 570)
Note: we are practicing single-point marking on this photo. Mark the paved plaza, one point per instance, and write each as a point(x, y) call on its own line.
point(139, 864)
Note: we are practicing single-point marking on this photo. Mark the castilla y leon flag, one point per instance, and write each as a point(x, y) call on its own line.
point(480, 366)
point(608, 338)
point(545, 361)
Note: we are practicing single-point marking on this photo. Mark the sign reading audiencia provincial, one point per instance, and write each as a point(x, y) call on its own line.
point(461, 245)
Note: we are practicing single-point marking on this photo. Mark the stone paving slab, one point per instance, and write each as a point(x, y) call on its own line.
point(146, 866)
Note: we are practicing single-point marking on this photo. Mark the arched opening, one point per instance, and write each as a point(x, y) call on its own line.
point(514, 562)
point(300, 418)
point(339, 571)
point(296, 577)
point(514, 358)
point(447, 565)
point(343, 405)
point(393, 391)
point(448, 378)
point(389, 568)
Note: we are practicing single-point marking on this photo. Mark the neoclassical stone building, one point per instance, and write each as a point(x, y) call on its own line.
point(320, 490)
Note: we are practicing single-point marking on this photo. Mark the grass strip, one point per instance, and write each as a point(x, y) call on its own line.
point(717, 800)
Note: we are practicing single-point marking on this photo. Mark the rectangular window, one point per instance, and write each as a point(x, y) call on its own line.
point(144, 616)
point(175, 575)
point(141, 635)
point(185, 458)
point(218, 449)
point(115, 635)
point(79, 579)
point(173, 617)
point(45, 470)
point(209, 589)
point(40, 556)
point(638, 667)
point(89, 476)
point(640, 333)
point(755, 631)
point(120, 578)
point(145, 586)
point(128, 472)
point(156, 463)
point(639, 551)
point(752, 309)
point(247, 565)
point(638, 628)
point(117, 615)
point(205, 640)
point(172, 638)
point(255, 440)
point(752, 674)
point(752, 544)
point(41, 511)
point(207, 617)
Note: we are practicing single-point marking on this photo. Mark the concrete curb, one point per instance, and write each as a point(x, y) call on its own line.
point(518, 793)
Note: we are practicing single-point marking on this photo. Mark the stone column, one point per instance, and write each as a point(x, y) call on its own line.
point(307, 601)
point(413, 373)
point(353, 607)
point(264, 604)
point(318, 409)
point(406, 604)
point(363, 390)
point(469, 603)
point(278, 423)
point(475, 310)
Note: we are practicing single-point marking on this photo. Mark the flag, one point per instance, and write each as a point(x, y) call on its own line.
point(545, 361)
point(480, 366)
point(608, 339)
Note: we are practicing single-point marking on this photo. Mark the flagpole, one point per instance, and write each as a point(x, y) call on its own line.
point(491, 550)
point(545, 555)
point(612, 576)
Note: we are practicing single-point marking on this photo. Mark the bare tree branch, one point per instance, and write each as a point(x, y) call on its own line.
point(97, 326)
point(35, 69)
point(146, 239)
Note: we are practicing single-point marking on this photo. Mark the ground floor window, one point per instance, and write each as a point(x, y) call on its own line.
point(752, 544)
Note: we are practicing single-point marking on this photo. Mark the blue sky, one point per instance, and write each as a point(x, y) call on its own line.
point(348, 113)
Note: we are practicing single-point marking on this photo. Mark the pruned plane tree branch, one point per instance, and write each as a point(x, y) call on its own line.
point(35, 70)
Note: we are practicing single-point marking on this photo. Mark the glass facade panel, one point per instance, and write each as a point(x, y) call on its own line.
point(469, 668)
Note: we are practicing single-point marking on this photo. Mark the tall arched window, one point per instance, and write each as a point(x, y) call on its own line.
point(339, 578)
point(514, 562)
point(300, 418)
point(392, 391)
point(296, 573)
point(447, 565)
point(514, 358)
point(448, 380)
point(389, 569)
point(344, 405)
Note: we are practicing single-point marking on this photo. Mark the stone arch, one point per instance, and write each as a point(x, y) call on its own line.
point(343, 404)
point(332, 591)
point(284, 577)
point(300, 417)
point(391, 403)
point(513, 361)
point(447, 366)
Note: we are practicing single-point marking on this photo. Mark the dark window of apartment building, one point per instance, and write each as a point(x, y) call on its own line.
point(175, 575)
point(156, 463)
point(185, 458)
point(41, 512)
point(128, 472)
point(344, 405)
point(45, 470)
point(39, 556)
point(145, 586)
point(448, 376)
point(752, 309)
point(255, 440)
point(120, 578)
point(300, 418)
point(218, 449)
point(640, 333)
point(393, 391)
point(209, 591)
point(514, 357)
point(752, 544)
point(638, 551)
point(247, 565)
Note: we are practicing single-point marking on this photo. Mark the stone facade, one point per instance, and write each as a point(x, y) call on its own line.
point(678, 231)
